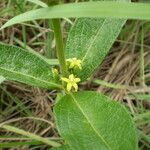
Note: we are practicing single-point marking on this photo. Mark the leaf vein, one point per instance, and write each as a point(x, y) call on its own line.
point(89, 121)
point(32, 77)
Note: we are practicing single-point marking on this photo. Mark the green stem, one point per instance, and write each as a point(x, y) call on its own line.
point(59, 46)
point(59, 39)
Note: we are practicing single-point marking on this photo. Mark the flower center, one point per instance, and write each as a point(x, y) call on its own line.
point(72, 80)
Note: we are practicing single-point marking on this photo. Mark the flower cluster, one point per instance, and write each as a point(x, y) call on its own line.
point(55, 74)
point(71, 83)
point(74, 65)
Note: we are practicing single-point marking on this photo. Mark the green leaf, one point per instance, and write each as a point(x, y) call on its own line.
point(1, 79)
point(87, 9)
point(90, 40)
point(25, 67)
point(38, 2)
point(92, 121)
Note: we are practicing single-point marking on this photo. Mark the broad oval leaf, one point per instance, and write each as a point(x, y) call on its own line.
point(91, 121)
point(25, 67)
point(90, 40)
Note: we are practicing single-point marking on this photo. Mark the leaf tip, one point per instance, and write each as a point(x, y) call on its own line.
point(3, 26)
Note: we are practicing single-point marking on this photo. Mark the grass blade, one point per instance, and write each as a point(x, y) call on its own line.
point(86, 9)
point(16, 144)
point(38, 2)
point(31, 135)
point(1, 79)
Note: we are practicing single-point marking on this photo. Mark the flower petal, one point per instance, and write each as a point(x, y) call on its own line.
point(75, 87)
point(71, 65)
point(80, 67)
point(69, 86)
point(74, 59)
point(71, 77)
point(65, 79)
point(79, 61)
point(77, 80)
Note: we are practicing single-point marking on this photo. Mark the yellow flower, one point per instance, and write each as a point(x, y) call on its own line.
point(71, 82)
point(55, 74)
point(74, 62)
point(54, 71)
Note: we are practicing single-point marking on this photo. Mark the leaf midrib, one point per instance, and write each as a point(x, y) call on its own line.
point(99, 30)
point(82, 111)
point(32, 77)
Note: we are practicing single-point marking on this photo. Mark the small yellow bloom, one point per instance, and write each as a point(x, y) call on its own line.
point(74, 62)
point(55, 74)
point(55, 71)
point(71, 82)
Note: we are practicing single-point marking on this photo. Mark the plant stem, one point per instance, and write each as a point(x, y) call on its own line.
point(58, 39)
point(59, 46)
